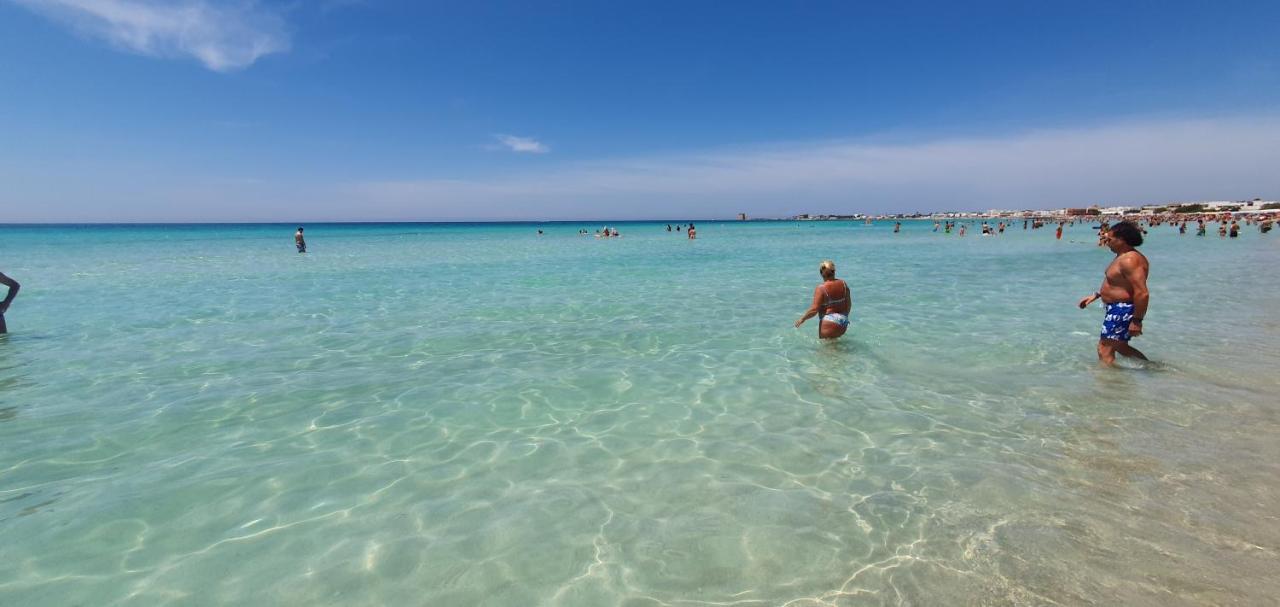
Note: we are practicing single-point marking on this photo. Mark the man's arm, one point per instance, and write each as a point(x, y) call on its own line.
point(1092, 297)
point(1136, 274)
point(813, 309)
point(13, 292)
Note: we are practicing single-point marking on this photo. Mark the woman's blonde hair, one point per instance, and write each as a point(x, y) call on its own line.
point(827, 268)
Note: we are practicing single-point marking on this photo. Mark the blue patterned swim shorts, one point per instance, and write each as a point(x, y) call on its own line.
point(1115, 325)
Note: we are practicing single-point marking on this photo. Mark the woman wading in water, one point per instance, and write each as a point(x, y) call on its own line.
point(831, 301)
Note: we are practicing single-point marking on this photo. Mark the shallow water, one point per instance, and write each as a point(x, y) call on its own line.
point(473, 415)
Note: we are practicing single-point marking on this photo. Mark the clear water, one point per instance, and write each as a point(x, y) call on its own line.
point(473, 415)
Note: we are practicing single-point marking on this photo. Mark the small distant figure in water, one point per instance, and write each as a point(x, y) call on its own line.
point(831, 302)
point(962, 229)
point(1059, 235)
point(897, 227)
point(539, 232)
point(1002, 227)
point(300, 241)
point(1182, 228)
point(692, 232)
point(8, 298)
point(668, 227)
point(1102, 233)
point(1222, 230)
point(986, 229)
point(1124, 293)
point(1235, 229)
point(935, 226)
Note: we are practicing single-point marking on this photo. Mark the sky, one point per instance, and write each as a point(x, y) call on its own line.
point(350, 110)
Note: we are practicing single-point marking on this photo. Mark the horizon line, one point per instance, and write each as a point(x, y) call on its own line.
point(808, 216)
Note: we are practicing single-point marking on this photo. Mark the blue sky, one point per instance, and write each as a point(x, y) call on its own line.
point(192, 110)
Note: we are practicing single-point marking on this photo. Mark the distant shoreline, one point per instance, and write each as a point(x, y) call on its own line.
point(947, 216)
point(371, 223)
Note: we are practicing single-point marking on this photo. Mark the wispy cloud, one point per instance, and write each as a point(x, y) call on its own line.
point(525, 145)
point(224, 36)
point(1124, 162)
point(1153, 160)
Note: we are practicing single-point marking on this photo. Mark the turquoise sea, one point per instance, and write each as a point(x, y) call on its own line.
point(418, 414)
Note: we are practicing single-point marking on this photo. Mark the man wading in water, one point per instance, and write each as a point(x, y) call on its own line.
point(1123, 292)
point(8, 298)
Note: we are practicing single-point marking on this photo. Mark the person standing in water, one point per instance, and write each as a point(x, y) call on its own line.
point(1124, 293)
point(300, 241)
point(831, 302)
point(692, 232)
point(8, 298)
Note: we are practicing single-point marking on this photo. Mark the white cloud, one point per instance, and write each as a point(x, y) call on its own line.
point(223, 36)
point(1155, 160)
point(526, 145)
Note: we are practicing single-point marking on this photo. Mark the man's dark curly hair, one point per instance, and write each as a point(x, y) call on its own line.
point(1128, 232)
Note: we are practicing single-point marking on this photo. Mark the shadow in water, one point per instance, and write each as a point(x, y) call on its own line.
point(836, 362)
point(846, 351)
point(11, 376)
